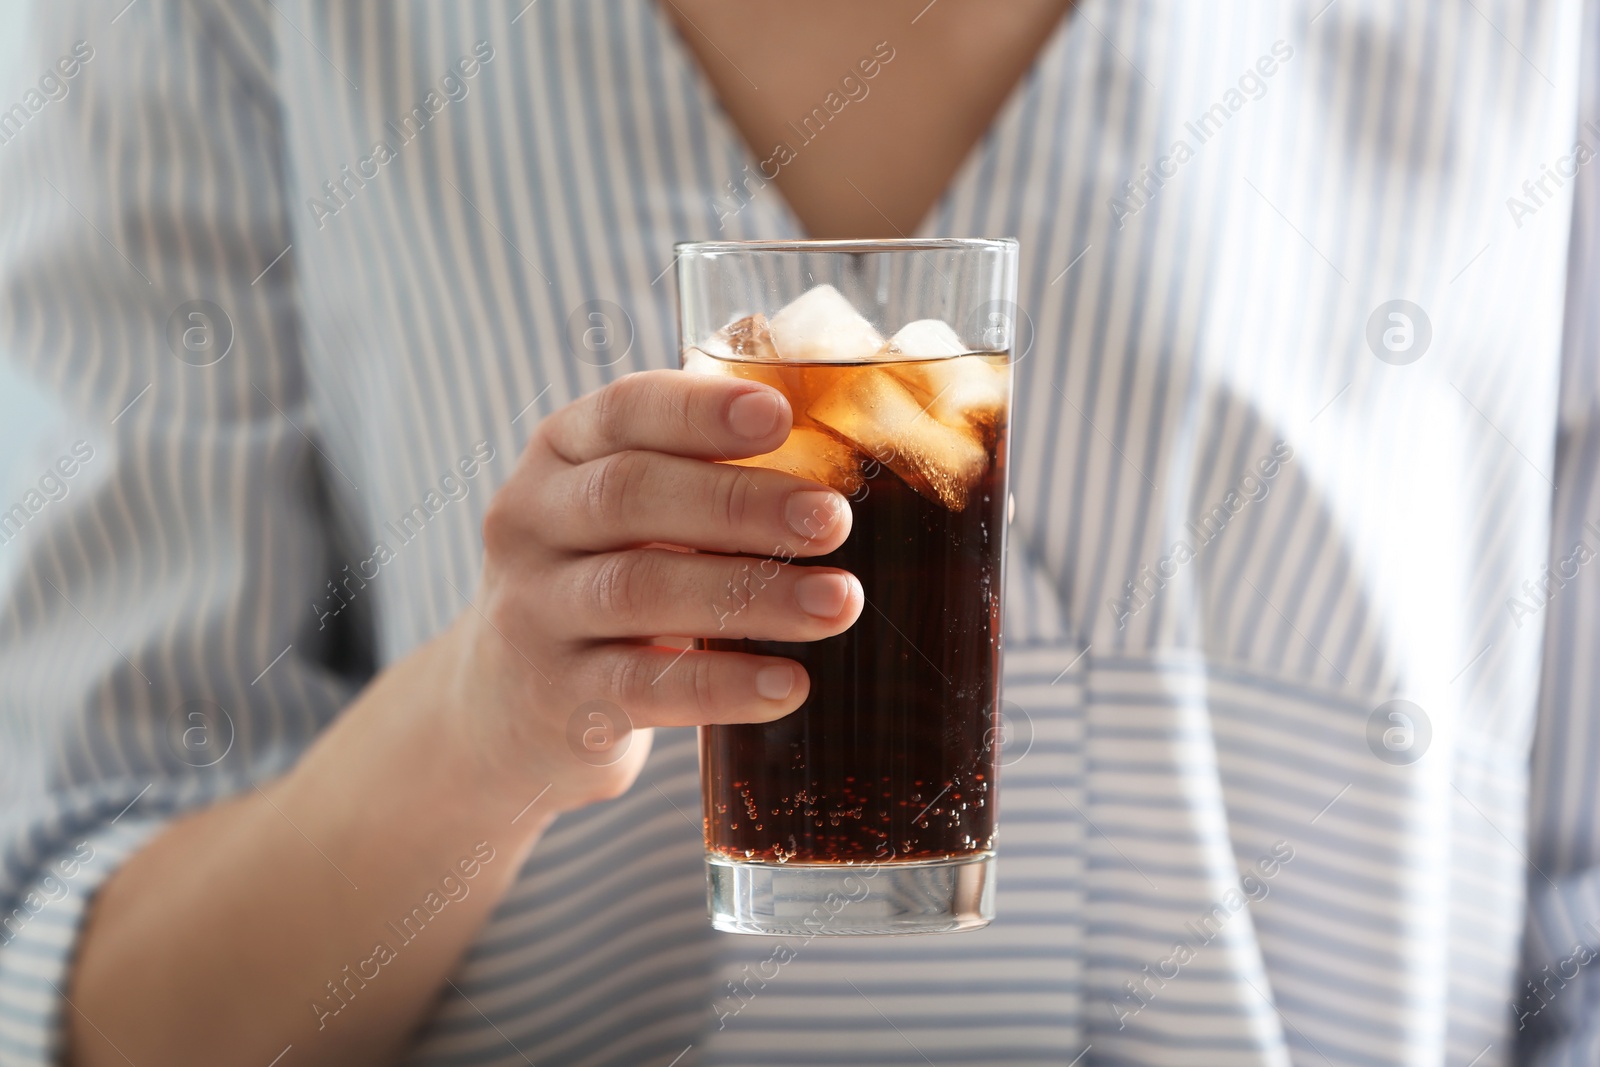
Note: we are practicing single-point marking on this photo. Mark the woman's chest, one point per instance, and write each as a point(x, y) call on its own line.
point(488, 233)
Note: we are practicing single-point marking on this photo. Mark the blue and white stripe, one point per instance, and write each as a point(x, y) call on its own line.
point(1224, 722)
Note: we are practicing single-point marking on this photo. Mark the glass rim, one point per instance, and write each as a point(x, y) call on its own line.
point(888, 244)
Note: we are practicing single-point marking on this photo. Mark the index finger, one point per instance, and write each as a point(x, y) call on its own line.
point(693, 415)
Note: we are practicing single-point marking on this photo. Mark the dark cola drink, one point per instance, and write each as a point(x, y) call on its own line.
point(892, 756)
point(872, 809)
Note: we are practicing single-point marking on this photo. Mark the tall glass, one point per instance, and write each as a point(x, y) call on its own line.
point(871, 809)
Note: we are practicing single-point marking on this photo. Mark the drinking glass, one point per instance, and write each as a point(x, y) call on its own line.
point(871, 809)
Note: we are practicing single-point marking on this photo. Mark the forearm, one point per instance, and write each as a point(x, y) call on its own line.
point(324, 910)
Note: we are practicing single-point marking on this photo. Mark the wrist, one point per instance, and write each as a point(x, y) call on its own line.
point(410, 743)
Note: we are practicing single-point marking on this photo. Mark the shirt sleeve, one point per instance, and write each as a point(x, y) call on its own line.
point(1556, 1006)
point(163, 531)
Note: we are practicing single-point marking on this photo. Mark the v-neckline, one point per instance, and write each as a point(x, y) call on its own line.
point(726, 139)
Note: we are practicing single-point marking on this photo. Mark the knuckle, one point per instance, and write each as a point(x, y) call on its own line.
point(499, 524)
point(493, 527)
point(629, 676)
point(700, 686)
point(610, 483)
point(732, 496)
point(689, 684)
point(612, 407)
point(738, 590)
point(621, 584)
point(700, 405)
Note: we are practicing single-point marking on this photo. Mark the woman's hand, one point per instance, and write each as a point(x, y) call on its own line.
point(442, 753)
point(561, 673)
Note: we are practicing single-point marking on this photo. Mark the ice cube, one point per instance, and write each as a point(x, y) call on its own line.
point(815, 456)
point(926, 339)
point(751, 338)
point(747, 338)
point(965, 392)
point(875, 411)
point(959, 390)
point(822, 326)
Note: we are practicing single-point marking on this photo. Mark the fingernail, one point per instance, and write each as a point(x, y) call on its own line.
point(755, 415)
point(775, 683)
point(822, 595)
point(811, 512)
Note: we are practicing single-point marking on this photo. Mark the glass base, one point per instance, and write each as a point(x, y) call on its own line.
point(802, 900)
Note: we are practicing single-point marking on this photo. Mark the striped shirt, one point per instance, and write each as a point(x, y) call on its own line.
point(1300, 618)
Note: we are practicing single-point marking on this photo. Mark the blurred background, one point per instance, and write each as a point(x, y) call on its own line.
point(24, 410)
